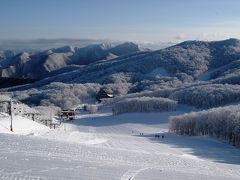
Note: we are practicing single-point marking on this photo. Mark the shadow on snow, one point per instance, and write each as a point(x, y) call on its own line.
point(200, 146)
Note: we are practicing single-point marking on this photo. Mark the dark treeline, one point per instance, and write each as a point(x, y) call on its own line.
point(9, 82)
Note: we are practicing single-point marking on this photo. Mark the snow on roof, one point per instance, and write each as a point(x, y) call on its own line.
point(110, 95)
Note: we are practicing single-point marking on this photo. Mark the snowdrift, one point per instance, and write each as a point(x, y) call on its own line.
point(21, 125)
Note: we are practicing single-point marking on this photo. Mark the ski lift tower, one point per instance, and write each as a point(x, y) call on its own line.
point(9, 109)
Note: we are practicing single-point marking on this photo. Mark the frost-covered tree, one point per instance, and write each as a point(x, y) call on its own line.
point(207, 95)
point(91, 108)
point(164, 93)
point(23, 109)
point(117, 88)
point(47, 112)
point(4, 105)
point(222, 123)
point(144, 104)
point(59, 94)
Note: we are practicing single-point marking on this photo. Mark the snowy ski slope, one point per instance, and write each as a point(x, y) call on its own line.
point(102, 146)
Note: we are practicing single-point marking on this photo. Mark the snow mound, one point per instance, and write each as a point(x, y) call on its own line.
point(21, 125)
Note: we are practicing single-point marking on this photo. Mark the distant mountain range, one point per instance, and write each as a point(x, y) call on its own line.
point(41, 64)
point(37, 45)
point(91, 64)
point(217, 61)
point(204, 70)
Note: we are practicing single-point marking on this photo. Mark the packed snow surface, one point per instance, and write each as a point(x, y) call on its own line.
point(103, 146)
point(20, 125)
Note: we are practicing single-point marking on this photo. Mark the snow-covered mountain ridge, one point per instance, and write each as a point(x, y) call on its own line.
point(39, 65)
point(177, 71)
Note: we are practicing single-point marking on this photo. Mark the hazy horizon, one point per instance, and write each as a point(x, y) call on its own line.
point(136, 20)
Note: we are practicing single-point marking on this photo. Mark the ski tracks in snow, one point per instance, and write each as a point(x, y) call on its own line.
point(131, 173)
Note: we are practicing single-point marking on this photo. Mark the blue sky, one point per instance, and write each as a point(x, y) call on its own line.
point(143, 20)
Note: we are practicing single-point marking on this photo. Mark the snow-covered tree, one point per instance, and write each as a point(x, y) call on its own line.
point(207, 95)
point(144, 104)
point(91, 108)
point(222, 123)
